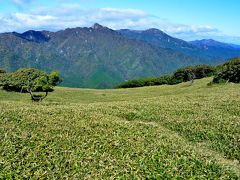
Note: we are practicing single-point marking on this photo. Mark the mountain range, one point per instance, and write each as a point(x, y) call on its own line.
point(99, 57)
point(208, 50)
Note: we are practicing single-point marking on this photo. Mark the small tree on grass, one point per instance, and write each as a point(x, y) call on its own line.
point(30, 81)
point(190, 75)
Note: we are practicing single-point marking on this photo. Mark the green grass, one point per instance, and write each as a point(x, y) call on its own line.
point(165, 132)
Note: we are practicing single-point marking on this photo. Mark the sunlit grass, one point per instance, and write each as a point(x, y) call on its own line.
point(170, 132)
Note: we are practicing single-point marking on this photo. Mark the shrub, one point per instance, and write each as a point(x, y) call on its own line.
point(229, 71)
point(2, 71)
point(193, 72)
point(180, 75)
point(154, 81)
point(131, 84)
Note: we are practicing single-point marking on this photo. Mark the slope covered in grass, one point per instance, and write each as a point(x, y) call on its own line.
point(154, 132)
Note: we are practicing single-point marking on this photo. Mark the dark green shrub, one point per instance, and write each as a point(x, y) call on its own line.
point(180, 75)
point(154, 81)
point(2, 71)
point(193, 72)
point(228, 72)
point(131, 84)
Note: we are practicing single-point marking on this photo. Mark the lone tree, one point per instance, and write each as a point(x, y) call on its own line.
point(30, 81)
point(190, 75)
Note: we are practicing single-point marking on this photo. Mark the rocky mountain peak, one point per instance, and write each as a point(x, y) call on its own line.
point(98, 26)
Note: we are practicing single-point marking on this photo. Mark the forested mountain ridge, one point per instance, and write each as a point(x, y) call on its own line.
point(208, 50)
point(94, 57)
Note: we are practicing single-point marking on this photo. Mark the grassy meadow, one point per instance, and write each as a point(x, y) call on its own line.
point(158, 132)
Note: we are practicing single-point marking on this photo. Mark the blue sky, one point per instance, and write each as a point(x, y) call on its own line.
point(186, 19)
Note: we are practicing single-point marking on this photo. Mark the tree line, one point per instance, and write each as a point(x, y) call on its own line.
point(32, 81)
point(227, 72)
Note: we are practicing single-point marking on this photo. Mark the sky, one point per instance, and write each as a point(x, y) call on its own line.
point(185, 19)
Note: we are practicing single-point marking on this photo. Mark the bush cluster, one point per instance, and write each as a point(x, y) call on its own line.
point(228, 72)
point(181, 75)
point(2, 71)
point(153, 81)
point(193, 72)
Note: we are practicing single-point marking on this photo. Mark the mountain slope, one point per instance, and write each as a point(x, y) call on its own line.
point(157, 37)
point(209, 51)
point(96, 57)
point(99, 57)
point(34, 36)
point(212, 43)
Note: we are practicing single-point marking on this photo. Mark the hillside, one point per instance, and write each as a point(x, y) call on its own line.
point(207, 43)
point(162, 132)
point(208, 51)
point(95, 57)
point(99, 57)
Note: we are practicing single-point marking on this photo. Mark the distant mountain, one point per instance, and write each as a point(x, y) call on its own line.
point(99, 57)
point(209, 51)
point(34, 36)
point(207, 43)
point(158, 38)
point(235, 46)
point(95, 57)
point(215, 49)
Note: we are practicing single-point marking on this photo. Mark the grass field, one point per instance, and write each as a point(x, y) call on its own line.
point(170, 132)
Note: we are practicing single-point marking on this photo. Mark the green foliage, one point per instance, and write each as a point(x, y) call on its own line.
point(147, 82)
point(54, 78)
point(2, 71)
point(181, 75)
point(228, 72)
point(23, 79)
point(193, 72)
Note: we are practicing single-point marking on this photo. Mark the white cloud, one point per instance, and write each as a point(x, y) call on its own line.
point(122, 13)
point(17, 1)
point(22, 21)
point(21, 2)
point(33, 20)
